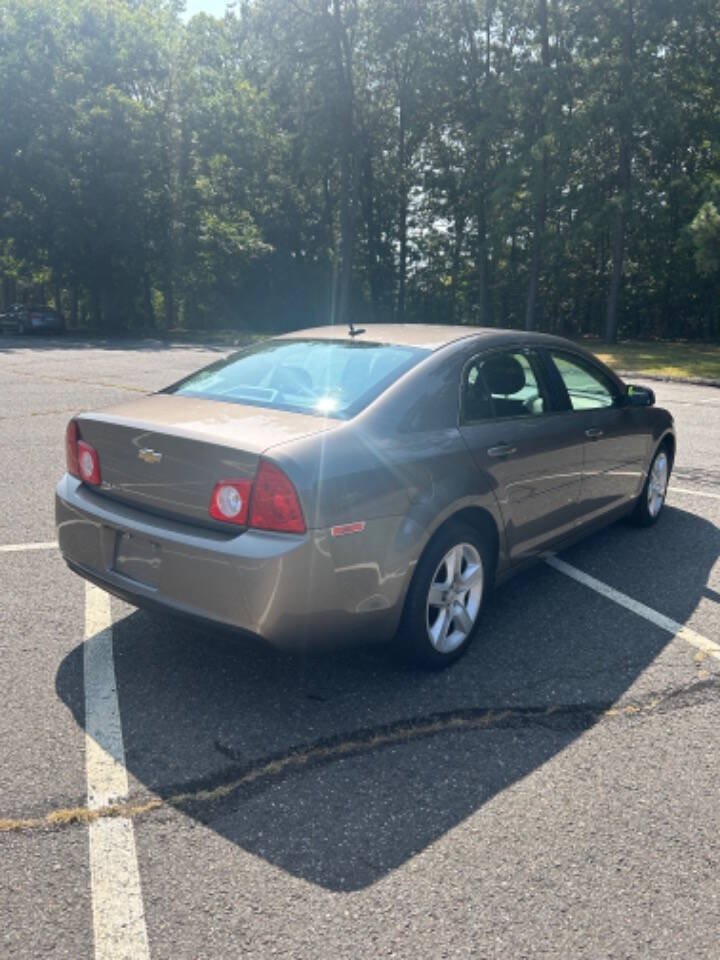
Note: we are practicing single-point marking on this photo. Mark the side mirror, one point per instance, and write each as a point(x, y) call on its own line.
point(639, 396)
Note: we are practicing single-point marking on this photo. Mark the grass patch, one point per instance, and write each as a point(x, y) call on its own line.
point(676, 359)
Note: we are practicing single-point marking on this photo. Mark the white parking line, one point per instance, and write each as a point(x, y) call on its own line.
point(659, 619)
point(118, 912)
point(694, 493)
point(20, 547)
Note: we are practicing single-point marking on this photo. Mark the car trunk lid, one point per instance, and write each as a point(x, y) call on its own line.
point(165, 453)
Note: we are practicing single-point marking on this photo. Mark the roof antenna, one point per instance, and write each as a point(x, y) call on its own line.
point(354, 331)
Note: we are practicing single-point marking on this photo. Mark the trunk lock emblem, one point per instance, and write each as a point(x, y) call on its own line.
point(149, 456)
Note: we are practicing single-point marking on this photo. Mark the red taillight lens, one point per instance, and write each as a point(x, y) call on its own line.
point(230, 501)
point(71, 452)
point(89, 463)
point(275, 504)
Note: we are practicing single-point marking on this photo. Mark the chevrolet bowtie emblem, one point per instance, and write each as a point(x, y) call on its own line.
point(150, 456)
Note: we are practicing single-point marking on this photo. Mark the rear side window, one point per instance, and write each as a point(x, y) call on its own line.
point(502, 384)
point(587, 387)
point(335, 378)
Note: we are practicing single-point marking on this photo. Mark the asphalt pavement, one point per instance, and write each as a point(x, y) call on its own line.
point(553, 795)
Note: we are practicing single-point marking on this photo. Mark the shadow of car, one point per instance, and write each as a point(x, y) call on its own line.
point(340, 767)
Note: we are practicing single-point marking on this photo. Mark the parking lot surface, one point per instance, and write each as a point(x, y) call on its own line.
point(554, 794)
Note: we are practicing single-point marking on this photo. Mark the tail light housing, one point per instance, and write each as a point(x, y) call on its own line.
point(71, 451)
point(230, 501)
point(275, 504)
point(89, 463)
point(83, 461)
point(269, 502)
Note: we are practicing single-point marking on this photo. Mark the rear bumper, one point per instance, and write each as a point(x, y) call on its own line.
point(293, 591)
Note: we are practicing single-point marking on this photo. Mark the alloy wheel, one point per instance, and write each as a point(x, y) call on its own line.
point(454, 598)
point(657, 484)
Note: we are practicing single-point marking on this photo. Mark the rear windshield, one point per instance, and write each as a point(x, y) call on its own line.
point(334, 378)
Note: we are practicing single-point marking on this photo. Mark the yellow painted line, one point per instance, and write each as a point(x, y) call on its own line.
point(118, 912)
point(678, 630)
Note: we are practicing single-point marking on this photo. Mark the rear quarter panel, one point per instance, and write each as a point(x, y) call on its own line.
point(402, 468)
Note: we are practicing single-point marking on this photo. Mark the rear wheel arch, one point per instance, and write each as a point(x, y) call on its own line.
point(484, 522)
point(668, 441)
point(478, 517)
point(475, 529)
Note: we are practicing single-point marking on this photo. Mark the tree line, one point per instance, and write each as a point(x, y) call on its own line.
point(547, 164)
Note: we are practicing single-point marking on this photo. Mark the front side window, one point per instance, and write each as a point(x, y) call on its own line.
point(587, 389)
point(334, 378)
point(502, 384)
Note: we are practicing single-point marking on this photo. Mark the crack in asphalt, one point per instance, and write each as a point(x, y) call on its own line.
point(234, 779)
point(708, 478)
point(82, 383)
point(39, 413)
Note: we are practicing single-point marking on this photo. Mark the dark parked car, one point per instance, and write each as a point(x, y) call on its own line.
point(34, 318)
point(325, 485)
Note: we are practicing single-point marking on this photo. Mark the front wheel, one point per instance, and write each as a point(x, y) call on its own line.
point(652, 498)
point(443, 605)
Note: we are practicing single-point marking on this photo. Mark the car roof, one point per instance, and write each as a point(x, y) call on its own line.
point(429, 336)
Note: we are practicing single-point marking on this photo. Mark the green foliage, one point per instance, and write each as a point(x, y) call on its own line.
point(428, 160)
point(705, 230)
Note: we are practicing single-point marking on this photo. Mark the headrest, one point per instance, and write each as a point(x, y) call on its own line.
point(503, 374)
point(289, 376)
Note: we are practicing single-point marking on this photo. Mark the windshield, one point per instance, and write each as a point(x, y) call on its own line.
point(334, 378)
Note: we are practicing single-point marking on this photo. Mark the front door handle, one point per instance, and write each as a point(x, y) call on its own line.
point(593, 433)
point(501, 450)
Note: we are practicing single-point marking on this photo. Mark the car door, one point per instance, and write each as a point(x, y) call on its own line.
point(615, 436)
point(535, 465)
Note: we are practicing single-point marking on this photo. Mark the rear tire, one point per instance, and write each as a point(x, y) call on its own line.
point(446, 596)
point(654, 492)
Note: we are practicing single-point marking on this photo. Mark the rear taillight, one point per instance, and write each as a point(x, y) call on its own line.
point(230, 501)
point(71, 452)
point(275, 504)
point(83, 461)
point(89, 463)
point(269, 502)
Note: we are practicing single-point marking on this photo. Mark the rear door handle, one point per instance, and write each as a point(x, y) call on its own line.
point(593, 433)
point(501, 450)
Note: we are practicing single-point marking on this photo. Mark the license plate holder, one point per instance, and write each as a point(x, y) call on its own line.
point(138, 559)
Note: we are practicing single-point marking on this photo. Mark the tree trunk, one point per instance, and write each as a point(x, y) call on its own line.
point(624, 177)
point(402, 216)
point(456, 260)
point(483, 273)
point(348, 178)
point(371, 231)
point(8, 291)
point(169, 301)
point(147, 297)
point(542, 175)
point(481, 161)
point(96, 307)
